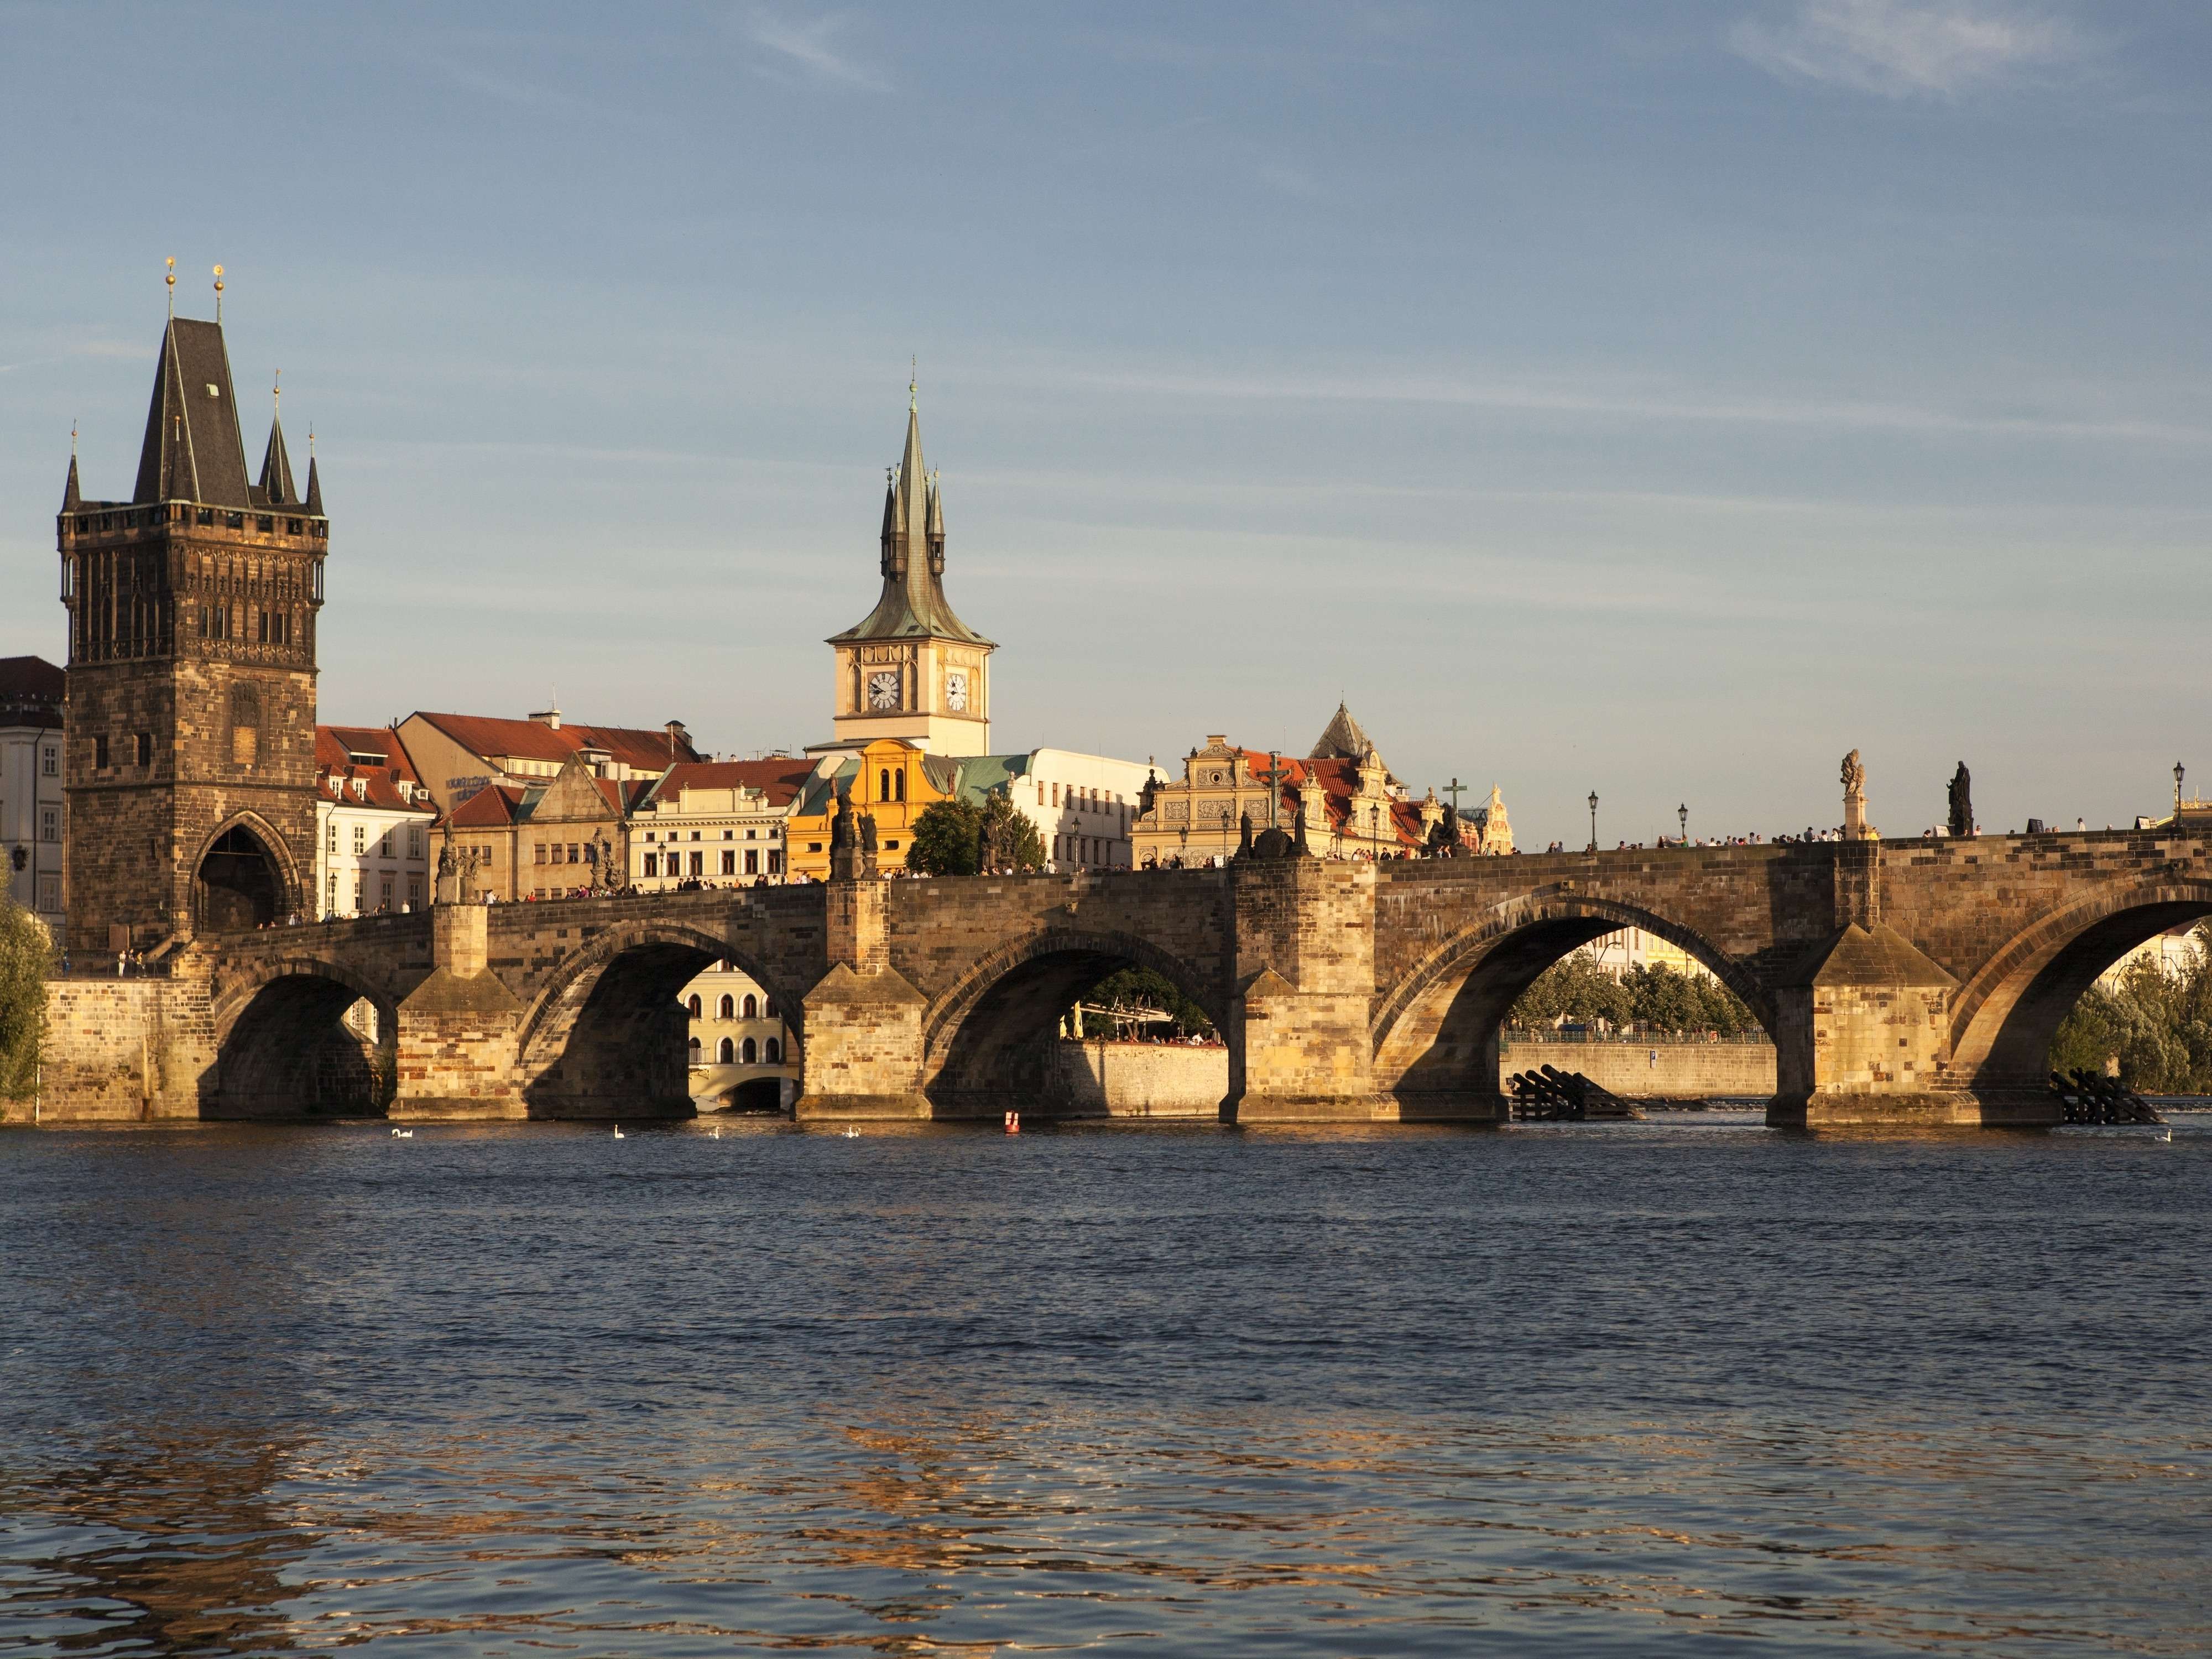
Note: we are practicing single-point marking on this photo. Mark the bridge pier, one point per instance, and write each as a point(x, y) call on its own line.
point(457, 1030)
point(1866, 1038)
point(1304, 974)
point(863, 1057)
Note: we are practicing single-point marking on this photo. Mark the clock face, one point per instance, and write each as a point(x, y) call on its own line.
point(884, 689)
point(956, 692)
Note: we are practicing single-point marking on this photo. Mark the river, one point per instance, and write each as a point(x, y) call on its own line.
point(1686, 1386)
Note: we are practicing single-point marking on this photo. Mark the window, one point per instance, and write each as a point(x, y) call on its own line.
point(1055, 794)
point(752, 1006)
point(244, 726)
point(772, 1052)
point(360, 840)
point(752, 860)
point(415, 842)
point(727, 1052)
point(884, 793)
point(50, 823)
point(100, 751)
point(698, 864)
point(694, 835)
point(693, 1004)
point(384, 845)
point(414, 892)
point(653, 864)
point(729, 1007)
point(575, 853)
point(729, 834)
point(386, 890)
point(694, 1051)
point(538, 852)
point(768, 1009)
point(50, 762)
point(749, 1054)
point(729, 862)
point(331, 838)
point(776, 863)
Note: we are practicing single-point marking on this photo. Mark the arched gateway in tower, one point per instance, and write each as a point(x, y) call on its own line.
point(190, 739)
point(912, 668)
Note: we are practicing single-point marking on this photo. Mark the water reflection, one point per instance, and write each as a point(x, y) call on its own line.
point(939, 1394)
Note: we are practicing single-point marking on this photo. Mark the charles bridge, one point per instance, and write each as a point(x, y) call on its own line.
point(1902, 981)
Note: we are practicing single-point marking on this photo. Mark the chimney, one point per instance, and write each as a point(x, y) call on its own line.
point(548, 717)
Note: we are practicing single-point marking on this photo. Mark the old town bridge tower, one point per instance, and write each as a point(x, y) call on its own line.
point(191, 743)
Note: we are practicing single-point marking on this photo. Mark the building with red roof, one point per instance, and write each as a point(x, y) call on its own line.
point(458, 754)
point(372, 823)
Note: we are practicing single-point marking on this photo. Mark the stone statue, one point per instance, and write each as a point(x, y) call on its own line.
point(1854, 823)
point(603, 859)
point(867, 834)
point(1244, 836)
point(448, 890)
point(1962, 803)
point(1298, 832)
point(1444, 839)
point(844, 833)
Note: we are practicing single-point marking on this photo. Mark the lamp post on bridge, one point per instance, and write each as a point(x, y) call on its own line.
point(2176, 794)
point(1682, 817)
point(1592, 804)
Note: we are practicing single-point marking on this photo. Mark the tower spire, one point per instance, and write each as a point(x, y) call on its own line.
point(170, 279)
point(218, 296)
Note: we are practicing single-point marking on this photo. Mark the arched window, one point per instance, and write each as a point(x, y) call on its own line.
point(729, 1007)
point(694, 1006)
point(773, 1052)
point(752, 1006)
point(750, 1051)
point(900, 783)
point(727, 1052)
point(694, 1051)
point(884, 792)
point(768, 1009)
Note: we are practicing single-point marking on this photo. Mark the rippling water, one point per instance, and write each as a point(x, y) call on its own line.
point(1615, 1389)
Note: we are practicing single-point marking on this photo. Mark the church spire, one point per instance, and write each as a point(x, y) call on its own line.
point(275, 484)
point(313, 504)
point(912, 604)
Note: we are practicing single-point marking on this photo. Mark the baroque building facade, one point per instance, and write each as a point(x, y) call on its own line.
point(190, 748)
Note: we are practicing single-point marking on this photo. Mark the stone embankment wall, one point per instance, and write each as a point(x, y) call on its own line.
point(120, 1051)
point(1682, 1070)
point(1137, 1079)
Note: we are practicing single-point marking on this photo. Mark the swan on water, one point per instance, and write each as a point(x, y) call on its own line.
point(618, 1134)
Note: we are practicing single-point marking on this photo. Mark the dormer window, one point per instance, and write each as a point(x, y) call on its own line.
point(361, 788)
point(337, 788)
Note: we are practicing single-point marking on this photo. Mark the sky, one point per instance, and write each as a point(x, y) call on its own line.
point(1650, 399)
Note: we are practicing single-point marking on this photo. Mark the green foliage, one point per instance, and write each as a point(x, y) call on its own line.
point(25, 951)
point(2158, 1025)
point(1655, 999)
point(944, 842)
point(1141, 987)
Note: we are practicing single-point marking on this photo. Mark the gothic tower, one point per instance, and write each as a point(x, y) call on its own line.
point(914, 670)
point(191, 743)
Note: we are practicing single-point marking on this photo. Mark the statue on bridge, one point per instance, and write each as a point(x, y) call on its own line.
point(1962, 803)
point(1854, 823)
point(1445, 841)
point(844, 840)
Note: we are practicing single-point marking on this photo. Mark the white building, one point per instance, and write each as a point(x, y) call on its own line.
point(742, 1056)
point(31, 693)
point(1082, 805)
point(373, 819)
point(718, 822)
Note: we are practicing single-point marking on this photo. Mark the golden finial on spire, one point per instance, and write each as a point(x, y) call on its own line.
point(72, 437)
point(218, 294)
point(913, 382)
point(172, 280)
point(275, 392)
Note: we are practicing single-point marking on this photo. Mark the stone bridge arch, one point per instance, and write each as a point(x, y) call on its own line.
point(986, 1040)
point(284, 1046)
point(605, 1036)
point(1434, 1034)
point(2004, 1015)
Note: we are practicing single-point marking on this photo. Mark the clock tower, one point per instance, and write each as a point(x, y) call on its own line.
point(912, 668)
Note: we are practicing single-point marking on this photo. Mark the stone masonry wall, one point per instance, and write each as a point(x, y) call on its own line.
point(1682, 1070)
point(120, 1050)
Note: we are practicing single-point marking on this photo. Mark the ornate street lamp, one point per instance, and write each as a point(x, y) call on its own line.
point(1682, 813)
point(1592, 804)
point(2176, 794)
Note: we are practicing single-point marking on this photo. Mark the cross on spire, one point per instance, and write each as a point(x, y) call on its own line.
point(1453, 789)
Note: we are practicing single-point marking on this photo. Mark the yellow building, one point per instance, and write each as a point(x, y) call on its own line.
point(891, 779)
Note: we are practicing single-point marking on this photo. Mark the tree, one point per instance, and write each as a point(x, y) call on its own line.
point(2157, 1025)
point(1144, 987)
point(25, 953)
point(1655, 998)
point(944, 842)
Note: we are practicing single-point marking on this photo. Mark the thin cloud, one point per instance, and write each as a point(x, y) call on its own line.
point(1910, 48)
point(811, 45)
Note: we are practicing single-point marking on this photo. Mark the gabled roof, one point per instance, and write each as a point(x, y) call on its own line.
point(193, 450)
point(336, 747)
point(31, 679)
point(495, 738)
point(492, 808)
point(1341, 738)
point(780, 780)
